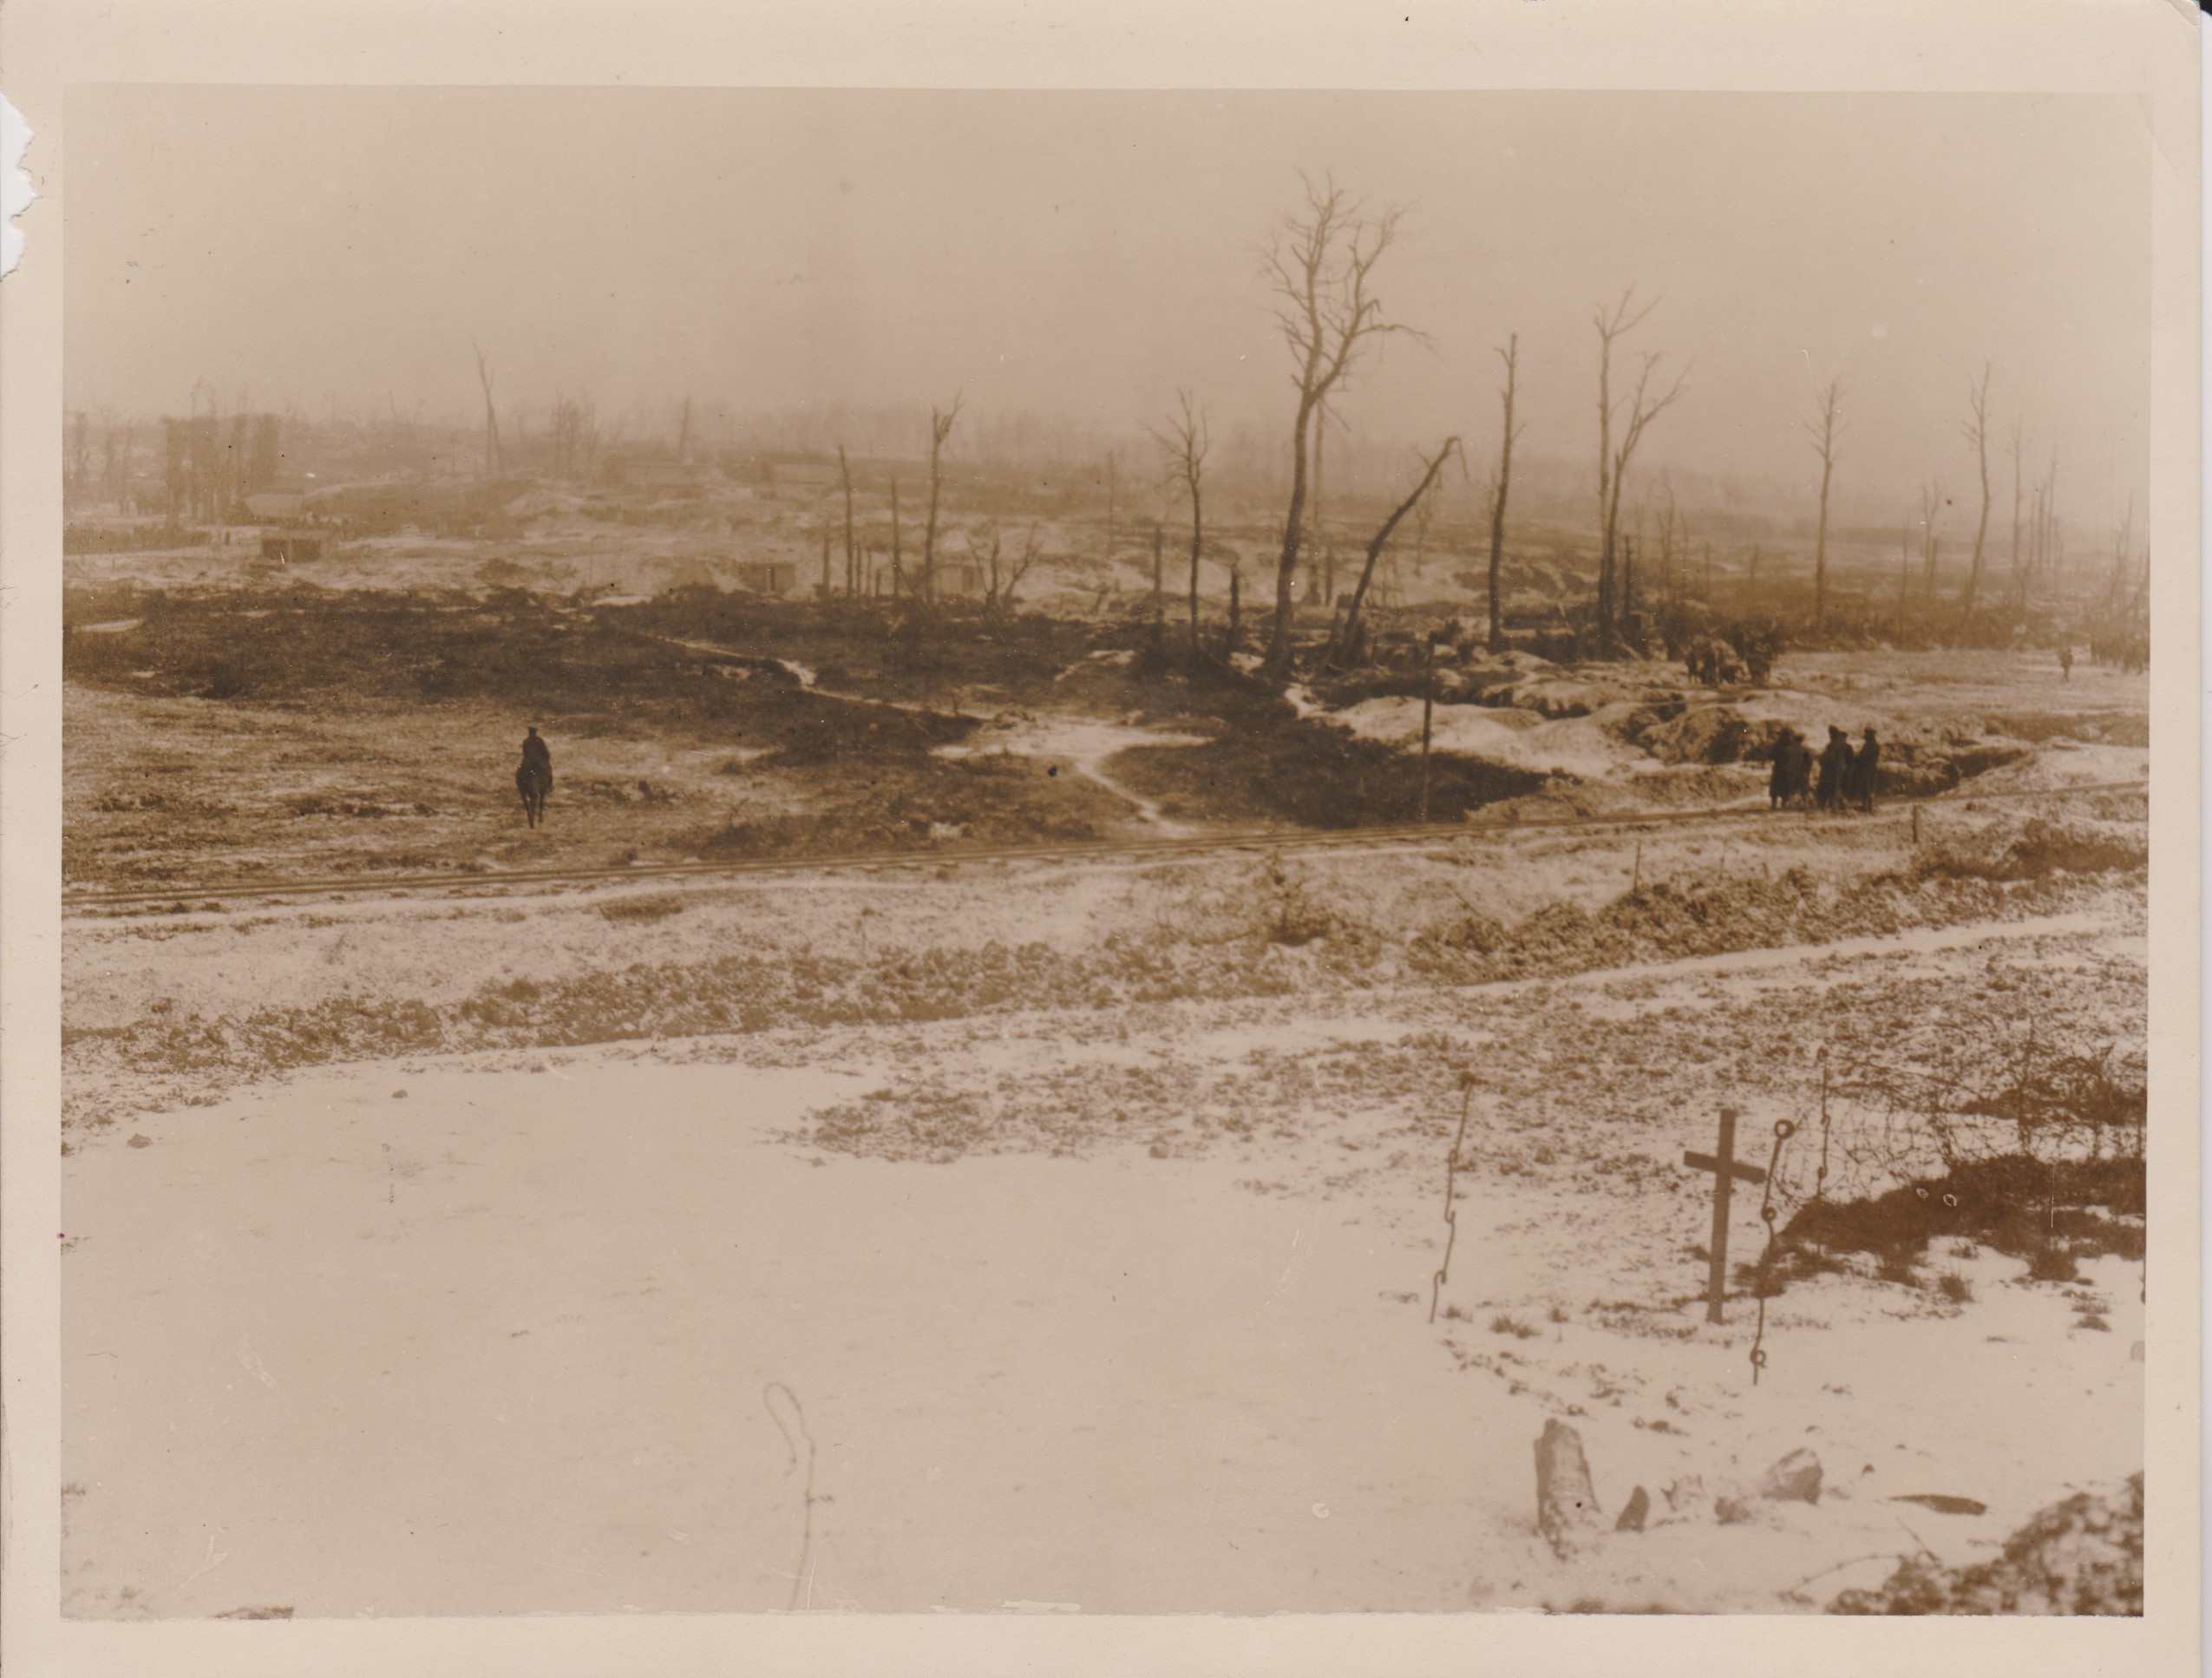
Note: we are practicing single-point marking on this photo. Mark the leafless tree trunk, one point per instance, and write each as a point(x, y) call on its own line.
point(2051, 521)
point(2019, 578)
point(1642, 407)
point(852, 553)
point(1976, 431)
point(984, 548)
point(1503, 485)
point(898, 564)
point(1904, 569)
point(1348, 646)
point(940, 427)
point(2120, 550)
point(484, 376)
point(1112, 486)
point(1321, 269)
point(80, 467)
point(1031, 552)
point(1931, 509)
point(1183, 446)
point(1823, 430)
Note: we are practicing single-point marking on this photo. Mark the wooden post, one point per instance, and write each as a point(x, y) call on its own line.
point(1428, 708)
point(825, 558)
point(1723, 1164)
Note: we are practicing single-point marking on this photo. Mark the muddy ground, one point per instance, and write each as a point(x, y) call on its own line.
point(284, 730)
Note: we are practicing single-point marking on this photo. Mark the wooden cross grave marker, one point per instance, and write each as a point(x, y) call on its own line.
point(1723, 1164)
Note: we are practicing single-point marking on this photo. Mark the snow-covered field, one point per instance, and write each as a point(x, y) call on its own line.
point(1113, 1297)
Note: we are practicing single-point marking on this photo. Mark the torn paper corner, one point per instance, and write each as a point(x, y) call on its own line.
point(16, 194)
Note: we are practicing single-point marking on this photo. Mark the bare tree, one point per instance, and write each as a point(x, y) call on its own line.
point(575, 432)
point(1501, 485)
point(2121, 547)
point(80, 467)
point(1931, 509)
point(1032, 550)
point(2019, 580)
point(845, 477)
point(484, 376)
point(1348, 643)
point(1904, 569)
point(984, 548)
point(2052, 553)
point(898, 564)
point(1183, 447)
point(1823, 430)
point(940, 427)
point(1975, 429)
point(1112, 485)
point(1321, 268)
point(1643, 406)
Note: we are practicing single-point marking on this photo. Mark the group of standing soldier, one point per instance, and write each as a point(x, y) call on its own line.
point(1838, 778)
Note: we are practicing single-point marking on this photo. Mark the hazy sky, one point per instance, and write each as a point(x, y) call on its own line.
point(1086, 253)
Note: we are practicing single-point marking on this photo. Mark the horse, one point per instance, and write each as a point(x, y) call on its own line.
point(533, 782)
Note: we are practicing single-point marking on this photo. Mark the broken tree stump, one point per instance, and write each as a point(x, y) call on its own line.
point(1566, 1506)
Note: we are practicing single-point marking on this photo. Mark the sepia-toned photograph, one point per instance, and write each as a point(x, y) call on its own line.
point(1105, 853)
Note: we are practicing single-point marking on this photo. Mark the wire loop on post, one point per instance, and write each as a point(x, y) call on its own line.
point(1784, 1130)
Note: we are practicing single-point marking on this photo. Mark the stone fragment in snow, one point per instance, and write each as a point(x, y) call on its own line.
point(1567, 1507)
point(1731, 1511)
point(1796, 1477)
point(1684, 1493)
point(1639, 1511)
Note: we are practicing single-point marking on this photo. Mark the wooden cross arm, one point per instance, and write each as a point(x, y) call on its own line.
point(1707, 1163)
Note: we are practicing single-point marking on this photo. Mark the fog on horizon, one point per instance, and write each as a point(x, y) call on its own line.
point(1084, 255)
